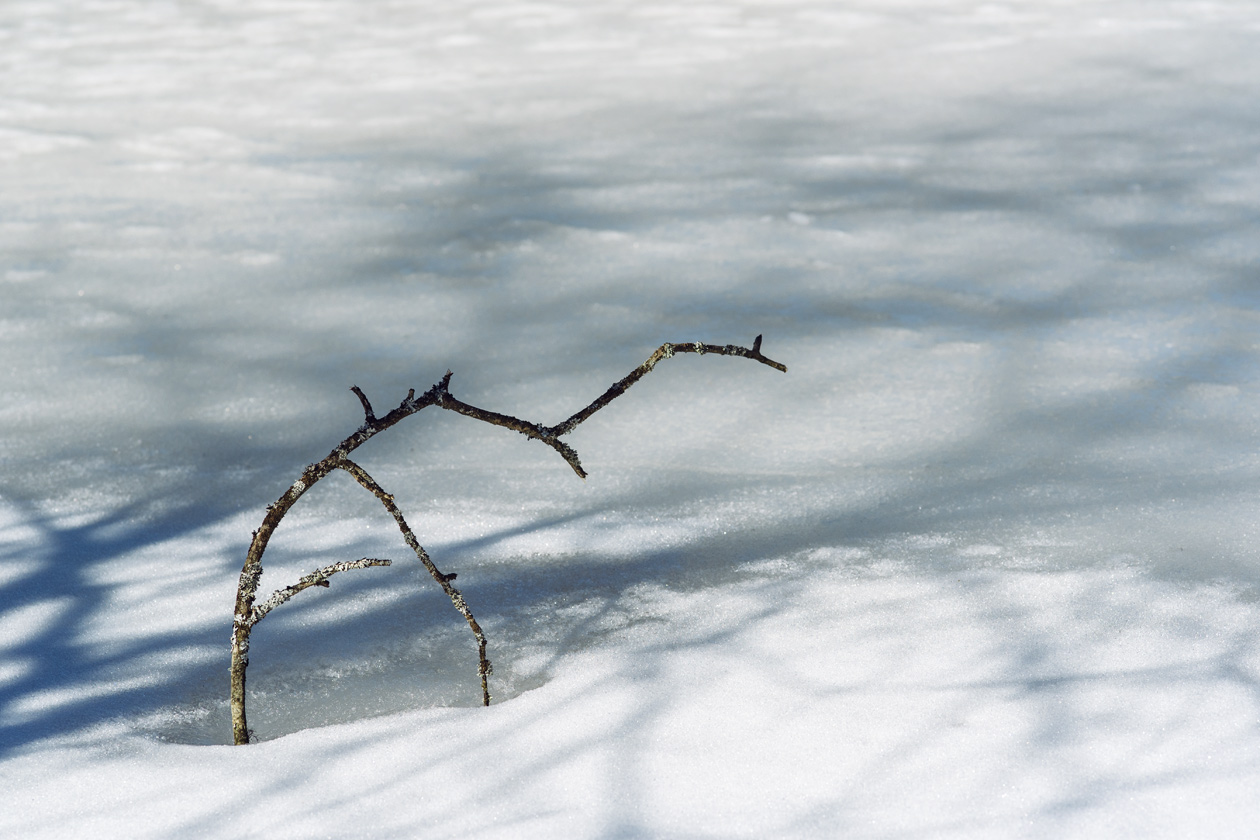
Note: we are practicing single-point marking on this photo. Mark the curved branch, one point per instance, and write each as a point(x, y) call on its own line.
point(360, 475)
point(246, 614)
point(252, 570)
point(530, 430)
point(368, 414)
point(551, 435)
point(665, 351)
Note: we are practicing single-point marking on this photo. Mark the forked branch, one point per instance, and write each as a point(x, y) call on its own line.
point(551, 435)
point(246, 614)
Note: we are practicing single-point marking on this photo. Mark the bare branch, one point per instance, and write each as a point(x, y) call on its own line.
point(360, 475)
point(246, 614)
point(530, 430)
point(665, 351)
point(551, 435)
point(319, 577)
point(367, 405)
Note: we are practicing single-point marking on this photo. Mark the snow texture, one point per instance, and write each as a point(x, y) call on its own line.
point(982, 564)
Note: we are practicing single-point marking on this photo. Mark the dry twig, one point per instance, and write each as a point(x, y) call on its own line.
point(247, 614)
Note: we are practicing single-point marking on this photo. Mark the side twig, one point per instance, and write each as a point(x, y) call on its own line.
point(319, 577)
point(243, 625)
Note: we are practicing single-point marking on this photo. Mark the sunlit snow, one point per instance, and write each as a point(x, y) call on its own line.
point(982, 564)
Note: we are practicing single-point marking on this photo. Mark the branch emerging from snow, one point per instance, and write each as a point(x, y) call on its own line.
point(246, 614)
point(444, 581)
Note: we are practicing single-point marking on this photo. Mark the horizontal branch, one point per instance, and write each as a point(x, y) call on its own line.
point(531, 430)
point(665, 351)
point(551, 435)
point(319, 577)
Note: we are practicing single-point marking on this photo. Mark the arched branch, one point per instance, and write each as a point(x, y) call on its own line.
point(246, 614)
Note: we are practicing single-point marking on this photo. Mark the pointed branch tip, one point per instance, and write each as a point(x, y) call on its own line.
point(367, 405)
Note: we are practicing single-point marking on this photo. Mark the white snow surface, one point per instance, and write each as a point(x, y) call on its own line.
point(982, 564)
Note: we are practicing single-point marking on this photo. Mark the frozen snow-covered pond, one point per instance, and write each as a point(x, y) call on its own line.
point(983, 563)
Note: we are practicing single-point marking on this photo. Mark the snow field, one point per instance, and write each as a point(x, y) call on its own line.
point(982, 564)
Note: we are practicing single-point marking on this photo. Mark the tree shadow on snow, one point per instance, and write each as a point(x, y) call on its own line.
point(1043, 465)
